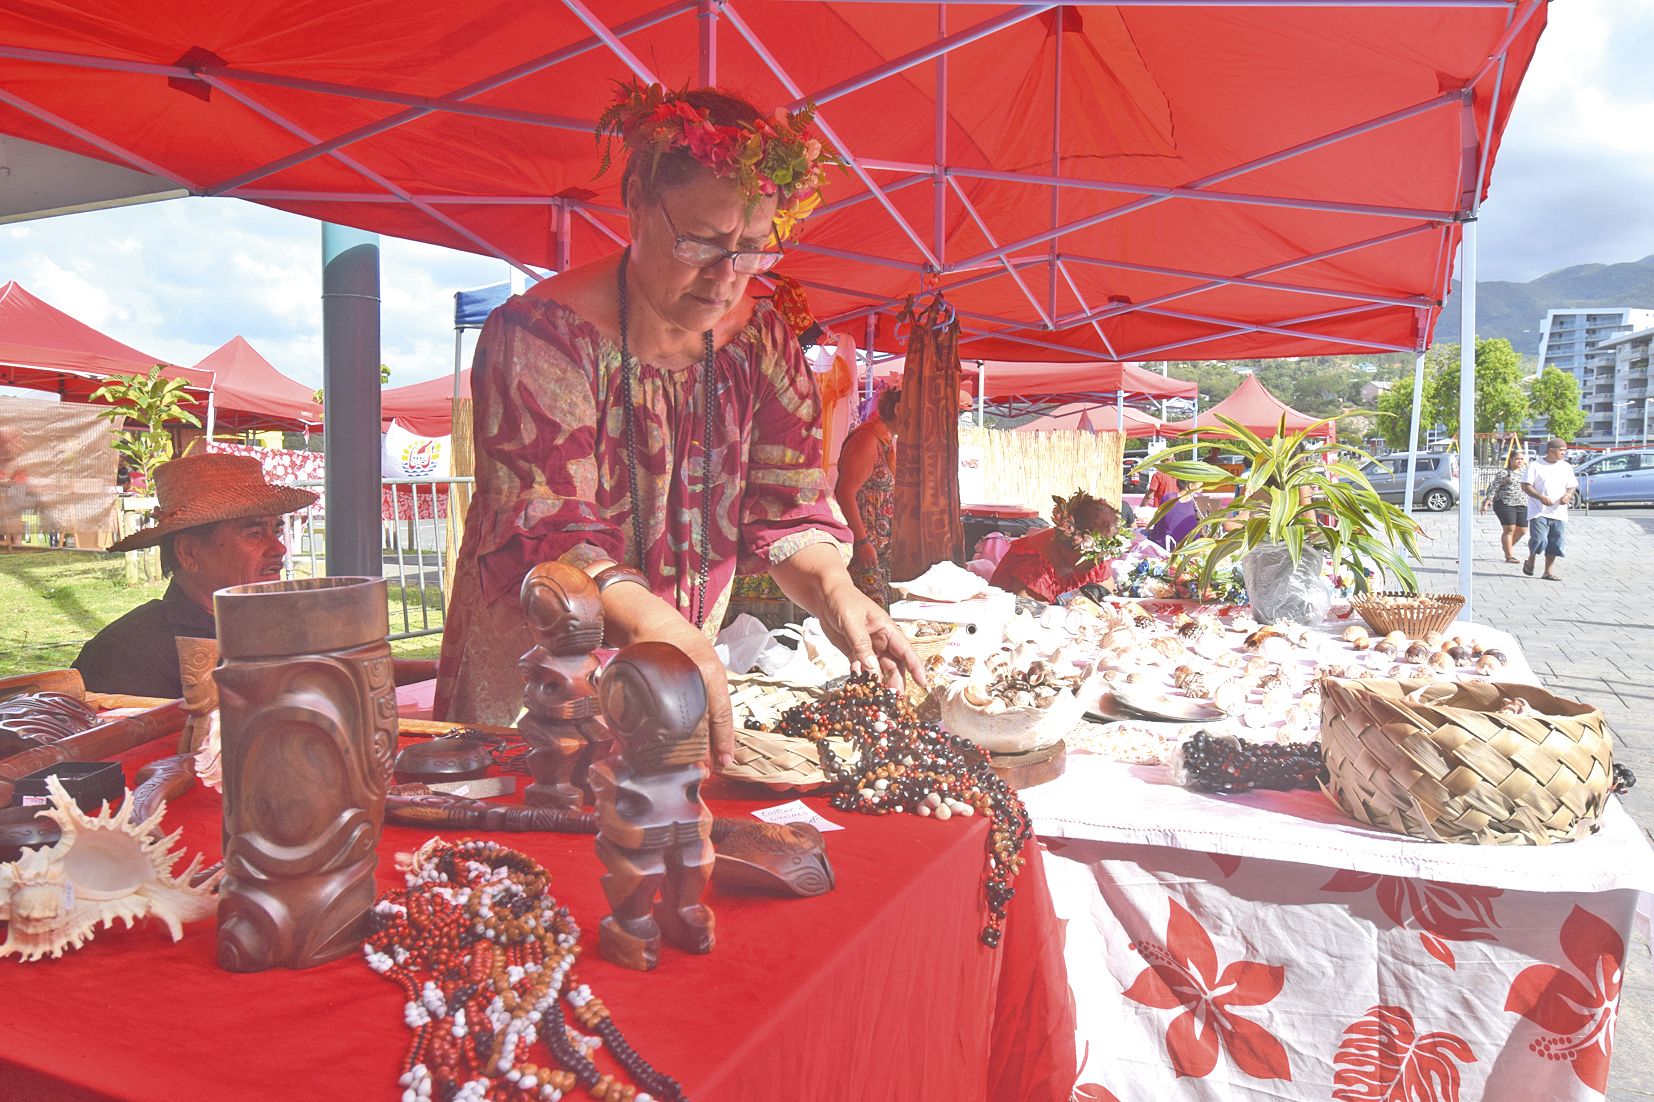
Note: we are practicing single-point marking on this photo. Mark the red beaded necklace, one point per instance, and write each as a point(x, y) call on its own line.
point(484, 956)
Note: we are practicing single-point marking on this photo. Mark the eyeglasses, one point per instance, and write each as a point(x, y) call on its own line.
point(704, 254)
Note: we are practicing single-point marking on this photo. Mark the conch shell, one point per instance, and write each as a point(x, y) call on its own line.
point(103, 868)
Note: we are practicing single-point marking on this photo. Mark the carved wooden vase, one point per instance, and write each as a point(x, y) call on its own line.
point(307, 710)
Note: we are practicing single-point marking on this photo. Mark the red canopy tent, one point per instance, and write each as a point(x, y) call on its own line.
point(1126, 181)
point(250, 395)
point(1253, 407)
point(1138, 425)
point(425, 409)
point(42, 348)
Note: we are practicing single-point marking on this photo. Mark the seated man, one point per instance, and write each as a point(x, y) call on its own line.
point(219, 524)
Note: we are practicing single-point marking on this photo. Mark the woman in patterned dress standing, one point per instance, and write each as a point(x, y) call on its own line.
point(644, 419)
point(866, 494)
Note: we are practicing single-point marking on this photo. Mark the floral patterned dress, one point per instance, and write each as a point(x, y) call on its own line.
point(1027, 564)
point(876, 502)
point(552, 480)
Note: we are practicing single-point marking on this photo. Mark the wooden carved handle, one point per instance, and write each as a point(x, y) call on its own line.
point(106, 740)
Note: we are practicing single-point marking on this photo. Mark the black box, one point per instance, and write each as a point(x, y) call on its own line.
point(89, 782)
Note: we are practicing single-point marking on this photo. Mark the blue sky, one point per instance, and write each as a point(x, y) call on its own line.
point(177, 279)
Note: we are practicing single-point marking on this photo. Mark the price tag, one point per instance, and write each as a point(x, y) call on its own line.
point(796, 812)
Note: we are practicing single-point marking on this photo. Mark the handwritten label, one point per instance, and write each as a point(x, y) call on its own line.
point(796, 812)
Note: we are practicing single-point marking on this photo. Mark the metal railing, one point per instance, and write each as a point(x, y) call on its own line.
point(417, 542)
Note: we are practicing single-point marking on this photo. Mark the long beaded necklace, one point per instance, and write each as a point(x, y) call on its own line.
point(484, 956)
point(630, 415)
point(903, 764)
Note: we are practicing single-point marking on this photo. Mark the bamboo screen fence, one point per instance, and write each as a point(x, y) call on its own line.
point(1028, 468)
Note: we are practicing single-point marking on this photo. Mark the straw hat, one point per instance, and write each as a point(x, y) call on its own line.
point(205, 489)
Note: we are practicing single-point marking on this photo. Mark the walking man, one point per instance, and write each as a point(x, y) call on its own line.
point(1550, 484)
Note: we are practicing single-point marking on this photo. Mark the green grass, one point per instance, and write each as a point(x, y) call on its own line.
point(51, 602)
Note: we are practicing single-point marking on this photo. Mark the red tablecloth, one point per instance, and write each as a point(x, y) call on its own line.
point(879, 989)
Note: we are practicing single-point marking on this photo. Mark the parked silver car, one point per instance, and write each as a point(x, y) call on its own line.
point(1435, 483)
point(1617, 477)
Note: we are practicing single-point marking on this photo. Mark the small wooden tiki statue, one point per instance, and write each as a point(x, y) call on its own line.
point(653, 831)
point(562, 724)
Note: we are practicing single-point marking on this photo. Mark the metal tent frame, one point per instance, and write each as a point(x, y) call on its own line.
point(1046, 267)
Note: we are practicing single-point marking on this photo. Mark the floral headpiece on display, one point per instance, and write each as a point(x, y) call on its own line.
point(1089, 545)
point(768, 156)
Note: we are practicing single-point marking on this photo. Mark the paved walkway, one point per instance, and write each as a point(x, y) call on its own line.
point(1591, 636)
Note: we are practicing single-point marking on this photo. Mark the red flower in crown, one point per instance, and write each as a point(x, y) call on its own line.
point(1184, 975)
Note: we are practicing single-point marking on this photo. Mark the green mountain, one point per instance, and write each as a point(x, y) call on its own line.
point(1514, 310)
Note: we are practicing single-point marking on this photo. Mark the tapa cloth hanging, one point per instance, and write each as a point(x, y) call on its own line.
point(927, 527)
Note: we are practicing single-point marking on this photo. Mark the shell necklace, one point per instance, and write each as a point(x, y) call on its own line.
point(630, 415)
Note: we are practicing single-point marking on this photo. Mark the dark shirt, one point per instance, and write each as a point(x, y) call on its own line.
point(136, 655)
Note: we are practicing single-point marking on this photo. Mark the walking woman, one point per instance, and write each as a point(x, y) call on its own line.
point(1509, 503)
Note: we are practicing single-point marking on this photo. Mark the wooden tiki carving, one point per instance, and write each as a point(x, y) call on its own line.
point(653, 831)
point(561, 724)
point(308, 726)
point(196, 659)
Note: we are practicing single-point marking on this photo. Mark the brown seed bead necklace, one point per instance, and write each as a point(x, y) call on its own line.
point(903, 764)
point(484, 956)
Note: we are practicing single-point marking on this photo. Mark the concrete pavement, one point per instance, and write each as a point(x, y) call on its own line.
point(1589, 636)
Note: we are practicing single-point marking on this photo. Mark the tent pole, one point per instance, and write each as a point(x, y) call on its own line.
point(212, 413)
point(1413, 432)
point(459, 352)
point(706, 21)
point(1467, 411)
point(872, 332)
point(981, 394)
point(350, 385)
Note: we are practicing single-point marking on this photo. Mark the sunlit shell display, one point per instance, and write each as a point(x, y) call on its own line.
point(104, 868)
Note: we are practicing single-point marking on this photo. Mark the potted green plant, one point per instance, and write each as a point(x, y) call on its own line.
point(1301, 507)
point(152, 401)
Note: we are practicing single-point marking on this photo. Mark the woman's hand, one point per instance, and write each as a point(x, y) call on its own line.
point(866, 634)
point(865, 555)
point(815, 580)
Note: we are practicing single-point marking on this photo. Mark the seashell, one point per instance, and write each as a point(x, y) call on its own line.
point(1417, 652)
point(209, 766)
point(1399, 672)
point(1022, 699)
point(1459, 653)
point(1397, 639)
point(1495, 654)
point(1244, 622)
point(1136, 677)
point(103, 869)
point(1256, 667)
point(1212, 645)
point(1196, 685)
point(1119, 639)
point(1256, 639)
point(1278, 699)
point(1276, 649)
point(1181, 621)
point(1256, 717)
point(1270, 680)
point(995, 707)
point(1229, 660)
point(1434, 638)
point(1168, 647)
point(1384, 646)
point(1488, 665)
point(1515, 706)
point(1355, 632)
point(976, 693)
point(1363, 642)
point(1230, 697)
point(1440, 662)
point(1139, 615)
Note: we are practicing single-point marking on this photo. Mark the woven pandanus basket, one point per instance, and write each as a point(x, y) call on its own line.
point(762, 756)
point(1439, 761)
point(1415, 615)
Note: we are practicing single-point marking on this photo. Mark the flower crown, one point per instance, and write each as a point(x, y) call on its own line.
point(772, 156)
point(1089, 546)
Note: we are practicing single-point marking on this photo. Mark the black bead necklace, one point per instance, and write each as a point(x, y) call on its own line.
point(631, 443)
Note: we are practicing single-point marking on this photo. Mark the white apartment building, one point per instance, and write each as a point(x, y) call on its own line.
point(1567, 336)
point(1617, 394)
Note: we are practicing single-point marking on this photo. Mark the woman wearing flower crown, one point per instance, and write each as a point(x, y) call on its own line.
point(644, 419)
point(1078, 549)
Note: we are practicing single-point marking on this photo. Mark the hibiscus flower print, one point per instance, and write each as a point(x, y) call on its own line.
point(1183, 975)
point(1443, 912)
point(1576, 1011)
point(1385, 1059)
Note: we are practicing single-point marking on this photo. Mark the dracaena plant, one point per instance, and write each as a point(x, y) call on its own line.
point(1297, 492)
point(152, 401)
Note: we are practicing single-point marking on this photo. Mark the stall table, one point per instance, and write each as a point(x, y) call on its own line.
point(878, 989)
point(1267, 946)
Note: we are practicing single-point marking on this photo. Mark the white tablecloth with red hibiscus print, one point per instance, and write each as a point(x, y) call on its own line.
point(1266, 947)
